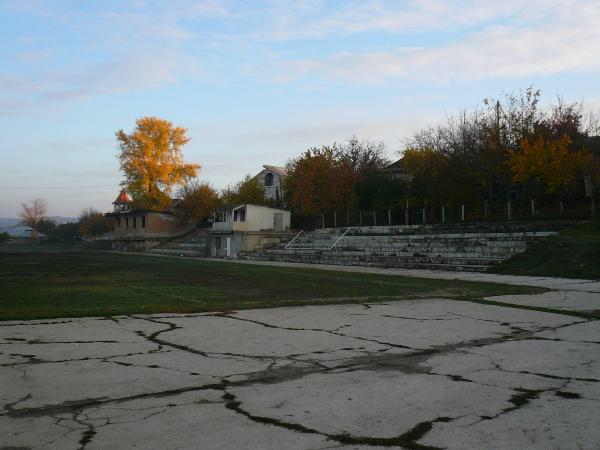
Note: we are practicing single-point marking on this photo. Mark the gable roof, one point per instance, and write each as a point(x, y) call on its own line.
point(230, 207)
point(122, 198)
point(277, 169)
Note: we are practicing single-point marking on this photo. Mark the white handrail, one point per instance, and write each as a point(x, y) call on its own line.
point(338, 239)
point(290, 243)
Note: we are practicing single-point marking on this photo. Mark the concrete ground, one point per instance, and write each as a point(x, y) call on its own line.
point(417, 374)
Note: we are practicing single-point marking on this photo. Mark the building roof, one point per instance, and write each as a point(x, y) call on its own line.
point(230, 207)
point(395, 165)
point(277, 169)
point(234, 206)
point(122, 199)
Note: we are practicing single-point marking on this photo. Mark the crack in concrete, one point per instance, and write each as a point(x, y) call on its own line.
point(69, 407)
point(320, 330)
point(39, 342)
point(33, 360)
point(297, 368)
point(406, 440)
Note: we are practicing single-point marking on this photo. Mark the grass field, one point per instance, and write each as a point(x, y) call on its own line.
point(47, 282)
point(574, 253)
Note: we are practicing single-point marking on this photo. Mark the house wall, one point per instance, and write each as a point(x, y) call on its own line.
point(158, 225)
point(134, 245)
point(243, 242)
point(273, 191)
point(256, 241)
point(258, 218)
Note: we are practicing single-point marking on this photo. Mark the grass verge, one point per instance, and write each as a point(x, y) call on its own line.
point(43, 282)
point(573, 253)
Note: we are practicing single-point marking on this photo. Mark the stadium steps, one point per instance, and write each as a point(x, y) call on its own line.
point(456, 248)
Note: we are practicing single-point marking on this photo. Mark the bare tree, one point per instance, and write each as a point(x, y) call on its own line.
point(33, 212)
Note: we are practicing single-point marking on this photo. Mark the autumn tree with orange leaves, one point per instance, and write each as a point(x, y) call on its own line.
point(152, 163)
point(318, 182)
point(548, 165)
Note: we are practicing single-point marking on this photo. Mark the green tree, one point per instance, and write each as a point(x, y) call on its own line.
point(94, 223)
point(198, 201)
point(46, 226)
point(248, 190)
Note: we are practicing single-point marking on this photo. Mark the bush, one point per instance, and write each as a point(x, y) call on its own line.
point(198, 201)
point(4, 237)
point(94, 223)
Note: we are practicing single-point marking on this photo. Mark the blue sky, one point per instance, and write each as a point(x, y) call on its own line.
point(258, 82)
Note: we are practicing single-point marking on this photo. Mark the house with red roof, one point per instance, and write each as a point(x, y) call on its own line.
point(138, 229)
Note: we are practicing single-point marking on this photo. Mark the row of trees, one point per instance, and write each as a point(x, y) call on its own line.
point(507, 149)
point(91, 223)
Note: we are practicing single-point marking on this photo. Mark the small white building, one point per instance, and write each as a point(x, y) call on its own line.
point(246, 227)
point(271, 178)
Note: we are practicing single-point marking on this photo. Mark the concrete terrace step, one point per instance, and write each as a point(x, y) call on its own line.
point(411, 264)
point(390, 258)
point(393, 254)
point(472, 247)
point(176, 252)
point(192, 244)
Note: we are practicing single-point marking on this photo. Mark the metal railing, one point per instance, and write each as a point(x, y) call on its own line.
point(295, 237)
point(313, 247)
point(340, 238)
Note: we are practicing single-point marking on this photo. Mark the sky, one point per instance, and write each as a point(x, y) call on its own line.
point(258, 82)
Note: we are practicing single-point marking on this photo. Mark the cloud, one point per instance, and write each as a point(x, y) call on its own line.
point(568, 44)
point(129, 73)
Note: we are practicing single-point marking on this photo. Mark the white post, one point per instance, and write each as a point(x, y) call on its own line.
point(532, 207)
point(423, 215)
point(462, 207)
point(374, 218)
point(509, 212)
point(389, 217)
point(322, 220)
point(334, 219)
point(443, 215)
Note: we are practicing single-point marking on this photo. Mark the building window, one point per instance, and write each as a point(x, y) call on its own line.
point(126, 223)
point(134, 222)
point(118, 221)
point(269, 179)
point(143, 221)
point(239, 215)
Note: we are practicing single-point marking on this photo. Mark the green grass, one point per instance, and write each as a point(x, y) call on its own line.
point(55, 281)
point(574, 253)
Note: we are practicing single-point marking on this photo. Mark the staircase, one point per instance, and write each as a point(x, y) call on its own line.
point(194, 243)
point(473, 247)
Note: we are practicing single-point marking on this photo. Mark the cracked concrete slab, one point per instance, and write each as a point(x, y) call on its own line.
point(421, 374)
point(564, 300)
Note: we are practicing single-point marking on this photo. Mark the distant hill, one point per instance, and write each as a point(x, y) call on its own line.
point(62, 219)
point(7, 222)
